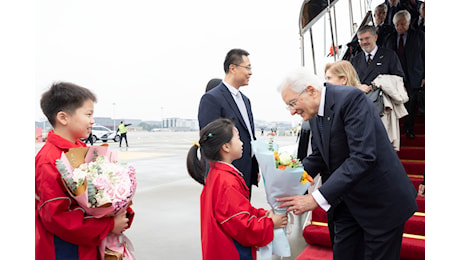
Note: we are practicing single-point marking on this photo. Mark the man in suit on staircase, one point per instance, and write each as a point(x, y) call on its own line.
point(227, 101)
point(368, 187)
point(393, 7)
point(409, 44)
point(374, 60)
point(382, 29)
point(418, 23)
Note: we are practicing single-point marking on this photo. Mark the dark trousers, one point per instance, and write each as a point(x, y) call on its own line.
point(121, 139)
point(89, 139)
point(351, 242)
point(411, 107)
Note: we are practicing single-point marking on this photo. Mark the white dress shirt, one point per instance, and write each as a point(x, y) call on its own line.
point(372, 53)
point(319, 198)
point(236, 94)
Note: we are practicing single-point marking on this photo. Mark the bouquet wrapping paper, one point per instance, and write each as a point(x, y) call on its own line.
point(102, 187)
point(279, 181)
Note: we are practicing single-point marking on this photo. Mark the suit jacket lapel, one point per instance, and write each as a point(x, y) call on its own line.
point(366, 68)
point(315, 123)
point(327, 122)
point(229, 98)
point(370, 68)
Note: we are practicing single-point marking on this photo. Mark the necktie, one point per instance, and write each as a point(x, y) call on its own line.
point(401, 45)
point(244, 112)
point(369, 59)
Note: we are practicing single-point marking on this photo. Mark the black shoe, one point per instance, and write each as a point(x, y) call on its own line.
point(410, 135)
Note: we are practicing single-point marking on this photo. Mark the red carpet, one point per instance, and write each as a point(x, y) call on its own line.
point(412, 156)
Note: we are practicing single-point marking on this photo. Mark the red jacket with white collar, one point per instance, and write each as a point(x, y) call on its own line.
point(230, 227)
point(62, 229)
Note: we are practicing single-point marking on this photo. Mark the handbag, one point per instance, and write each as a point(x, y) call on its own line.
point(376, 96)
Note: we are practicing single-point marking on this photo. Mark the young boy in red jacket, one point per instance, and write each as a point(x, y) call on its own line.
point(62, 229)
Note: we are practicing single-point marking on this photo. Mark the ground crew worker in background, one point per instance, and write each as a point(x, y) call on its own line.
point(123, 131)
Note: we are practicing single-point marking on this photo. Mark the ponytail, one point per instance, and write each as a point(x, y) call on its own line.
point(212, 137)
point(196, 167)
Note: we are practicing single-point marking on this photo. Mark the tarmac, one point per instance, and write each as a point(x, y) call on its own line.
point(167, 201)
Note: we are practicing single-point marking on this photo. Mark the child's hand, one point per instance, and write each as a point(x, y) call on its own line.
point(269, 213)
point(121, 223)
point(280, 220)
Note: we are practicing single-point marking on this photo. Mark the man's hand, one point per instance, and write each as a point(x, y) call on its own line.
point(298, 204)
point(365, 88)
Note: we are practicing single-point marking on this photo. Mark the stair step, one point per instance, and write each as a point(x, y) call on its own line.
point(415, 225)
point(314, 252)
point(416, 180)
point(418, 141)
point(419, 126)
point(421, 204)
point(411, 249)
point(414, 167)
point(319, 244)
point(411, 153)
point(317, 233)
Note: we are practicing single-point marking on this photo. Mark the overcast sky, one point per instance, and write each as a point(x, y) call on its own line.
point(154, 58)
point(144, 55)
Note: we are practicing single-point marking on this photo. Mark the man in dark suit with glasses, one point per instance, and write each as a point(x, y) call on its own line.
point(227, 101)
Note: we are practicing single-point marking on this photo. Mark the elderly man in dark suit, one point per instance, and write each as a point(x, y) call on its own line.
point(409, 44)
point(418, 22)
point(226, 100)
point(382, 29)
point(368, 187)
point(374, 60)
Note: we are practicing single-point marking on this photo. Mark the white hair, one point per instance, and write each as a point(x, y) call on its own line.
point(401, 14)
point(299, 79)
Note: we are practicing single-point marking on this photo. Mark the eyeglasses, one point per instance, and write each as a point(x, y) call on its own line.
point(292, 103)
point(246, 67)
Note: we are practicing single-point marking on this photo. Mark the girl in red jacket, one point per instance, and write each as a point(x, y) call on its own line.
point(231, 228)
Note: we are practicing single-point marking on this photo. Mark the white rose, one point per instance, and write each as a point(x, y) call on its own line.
point(102, 198)
point(285, 159)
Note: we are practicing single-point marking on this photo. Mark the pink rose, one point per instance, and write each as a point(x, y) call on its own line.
point(122, 190)
point(101, 182)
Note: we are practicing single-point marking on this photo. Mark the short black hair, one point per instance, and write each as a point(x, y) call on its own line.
point(234, 56)
point(64, 96)
point(212, 84)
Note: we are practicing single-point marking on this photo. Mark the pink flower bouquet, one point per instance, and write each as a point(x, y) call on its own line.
point(101, 186)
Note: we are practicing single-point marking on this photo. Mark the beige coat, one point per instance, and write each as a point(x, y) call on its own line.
point(394, 97)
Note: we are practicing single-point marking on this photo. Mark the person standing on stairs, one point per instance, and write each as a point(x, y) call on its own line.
point(368, 188)
point(421, 187)
point(409, 44)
